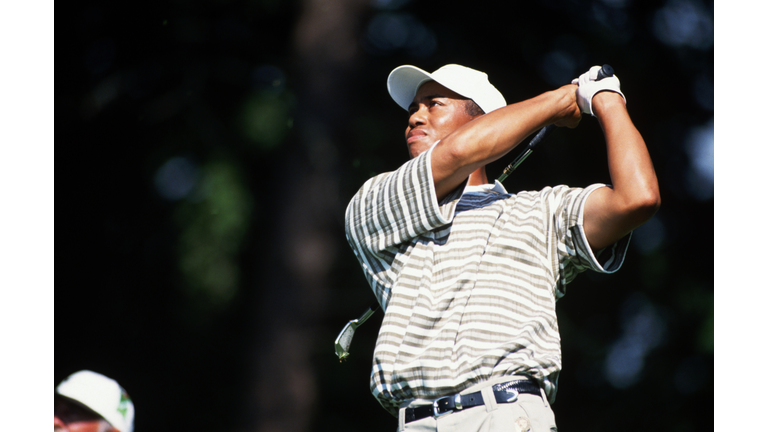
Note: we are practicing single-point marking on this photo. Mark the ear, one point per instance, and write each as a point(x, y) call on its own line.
point(472, 108)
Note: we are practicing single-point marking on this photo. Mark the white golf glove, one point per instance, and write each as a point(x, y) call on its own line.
point(589, 86)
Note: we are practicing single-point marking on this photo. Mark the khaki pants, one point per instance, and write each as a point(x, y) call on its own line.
point(529, 413)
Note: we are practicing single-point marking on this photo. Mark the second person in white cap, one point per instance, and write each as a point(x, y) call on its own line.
point(87, 401)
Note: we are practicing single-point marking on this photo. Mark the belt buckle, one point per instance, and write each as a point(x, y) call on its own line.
point(511, 394)
point(436, 408)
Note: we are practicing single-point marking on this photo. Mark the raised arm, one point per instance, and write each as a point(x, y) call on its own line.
point(491, 136)
point(611, 213)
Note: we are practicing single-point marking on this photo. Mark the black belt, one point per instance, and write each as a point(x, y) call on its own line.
point(505, 393)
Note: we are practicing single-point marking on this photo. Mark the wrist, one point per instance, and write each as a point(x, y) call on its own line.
point(605, 101)
point(565, 103)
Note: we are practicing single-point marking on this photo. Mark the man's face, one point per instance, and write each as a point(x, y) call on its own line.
point(71, 417)
point(434, 113)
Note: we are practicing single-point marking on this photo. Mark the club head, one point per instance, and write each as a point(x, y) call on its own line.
point(344, 340)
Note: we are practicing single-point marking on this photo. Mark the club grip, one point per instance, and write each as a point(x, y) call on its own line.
point(604, 72)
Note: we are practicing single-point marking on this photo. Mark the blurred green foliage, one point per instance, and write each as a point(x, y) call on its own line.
point(213, 224)
point(266, 119)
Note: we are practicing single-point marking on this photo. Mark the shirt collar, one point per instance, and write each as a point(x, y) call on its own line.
point(496, 187)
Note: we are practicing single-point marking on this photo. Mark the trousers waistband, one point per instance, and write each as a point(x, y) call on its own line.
point(503, 393)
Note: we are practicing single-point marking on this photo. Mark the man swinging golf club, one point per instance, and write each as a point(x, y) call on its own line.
point(468, 274)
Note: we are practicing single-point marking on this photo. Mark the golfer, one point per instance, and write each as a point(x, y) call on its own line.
point(467, 273)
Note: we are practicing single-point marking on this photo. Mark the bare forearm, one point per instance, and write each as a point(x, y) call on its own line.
point(629, 162)
point(493, 135)
point(634, 196)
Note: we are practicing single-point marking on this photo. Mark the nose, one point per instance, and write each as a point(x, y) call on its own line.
point(417, 117)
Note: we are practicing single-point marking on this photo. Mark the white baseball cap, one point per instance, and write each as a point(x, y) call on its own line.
point(404, 81)
point(102, 395)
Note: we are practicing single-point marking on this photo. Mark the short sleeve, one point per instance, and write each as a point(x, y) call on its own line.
point(574, 253)
point(389, 211)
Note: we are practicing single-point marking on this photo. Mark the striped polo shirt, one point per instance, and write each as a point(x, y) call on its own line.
point(468, 284)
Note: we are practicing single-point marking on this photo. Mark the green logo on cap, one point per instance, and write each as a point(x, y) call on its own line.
point(122, 407)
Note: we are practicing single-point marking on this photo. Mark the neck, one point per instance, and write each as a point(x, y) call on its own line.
point(478, 177)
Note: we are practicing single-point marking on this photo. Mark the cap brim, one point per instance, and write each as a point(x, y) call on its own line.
point(79, 404)
point(403, 83)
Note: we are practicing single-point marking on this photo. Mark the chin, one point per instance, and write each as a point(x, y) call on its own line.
point(416, 150)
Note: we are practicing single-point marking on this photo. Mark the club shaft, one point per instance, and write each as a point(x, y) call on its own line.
point(365, 316)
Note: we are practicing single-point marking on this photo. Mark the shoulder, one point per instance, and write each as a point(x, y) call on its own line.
point(560, 191)
point(545, 193)
point(560, 199)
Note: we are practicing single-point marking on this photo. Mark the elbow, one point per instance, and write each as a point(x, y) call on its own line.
point(649, 208)
point(456, 149)
point(651, 199)
point(456, 156)
point(645, 206)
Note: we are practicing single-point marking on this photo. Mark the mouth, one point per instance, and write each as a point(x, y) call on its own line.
point(415, 135)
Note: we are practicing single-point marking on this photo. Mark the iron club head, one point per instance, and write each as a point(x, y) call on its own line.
point(344, 339)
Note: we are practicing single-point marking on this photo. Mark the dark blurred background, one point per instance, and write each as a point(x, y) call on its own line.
point(211, 148)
